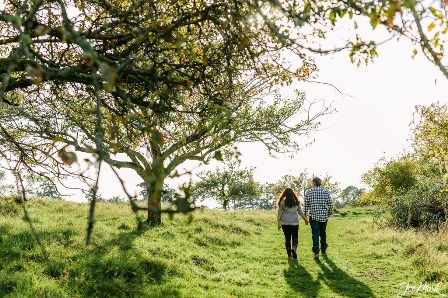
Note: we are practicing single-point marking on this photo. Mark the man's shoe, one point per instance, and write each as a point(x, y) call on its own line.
point(324, 253)
point(316, 256)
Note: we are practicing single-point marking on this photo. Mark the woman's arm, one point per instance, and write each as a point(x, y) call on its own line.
point(305, 219)
point(279, 215)
point(302, 215)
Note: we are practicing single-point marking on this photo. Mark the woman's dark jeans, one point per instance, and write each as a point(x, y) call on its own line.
point(319, 229)
point(291, 235)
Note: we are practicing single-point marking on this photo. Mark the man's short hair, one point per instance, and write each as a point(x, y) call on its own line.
point(317, 181)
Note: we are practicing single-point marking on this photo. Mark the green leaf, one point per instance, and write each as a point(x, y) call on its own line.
point(218, 155)
point(157, 137)
point(58, 139)
point(374, 20)
point(332, 17)
point(67, 157)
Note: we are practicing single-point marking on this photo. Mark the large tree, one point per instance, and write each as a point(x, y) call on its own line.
point(144, 85)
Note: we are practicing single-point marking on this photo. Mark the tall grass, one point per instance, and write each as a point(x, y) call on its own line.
point(217, 254)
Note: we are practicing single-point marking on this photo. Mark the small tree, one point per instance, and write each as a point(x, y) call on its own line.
point(229, 184)
point(167, 194)
point(391, 178)
point(265, 201)
point(41, 186)
point(349, 195)
point(295, 182)
point(302, 182)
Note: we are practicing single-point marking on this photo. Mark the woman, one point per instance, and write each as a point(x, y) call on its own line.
point(289, 207)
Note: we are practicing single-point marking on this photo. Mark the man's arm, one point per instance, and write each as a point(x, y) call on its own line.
point(329, 203)
point(307, 205)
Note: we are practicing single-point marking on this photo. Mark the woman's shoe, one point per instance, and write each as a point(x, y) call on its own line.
point(294, 254)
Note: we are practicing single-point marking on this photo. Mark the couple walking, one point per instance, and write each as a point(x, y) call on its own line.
point(318, 207)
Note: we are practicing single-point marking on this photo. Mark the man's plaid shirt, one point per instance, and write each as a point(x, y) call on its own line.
point(318, 204)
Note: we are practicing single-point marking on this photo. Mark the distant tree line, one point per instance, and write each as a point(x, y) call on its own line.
point(233, 187)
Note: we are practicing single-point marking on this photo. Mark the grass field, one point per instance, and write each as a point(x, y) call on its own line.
point(217, 254)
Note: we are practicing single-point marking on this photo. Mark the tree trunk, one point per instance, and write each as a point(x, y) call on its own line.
point(154, 208)
point(154, 191)
point(225, 204)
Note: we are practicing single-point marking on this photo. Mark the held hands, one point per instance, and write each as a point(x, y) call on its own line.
point(306, 221)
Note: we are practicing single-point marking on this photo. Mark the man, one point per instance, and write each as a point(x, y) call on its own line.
point(318, 208)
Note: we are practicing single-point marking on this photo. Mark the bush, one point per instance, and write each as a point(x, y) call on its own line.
point(411, 190)
point(9, 206)
point(422, 206)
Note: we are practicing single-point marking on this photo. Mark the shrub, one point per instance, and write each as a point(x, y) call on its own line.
point(411, 190)
point(422, 206)
point(9, 206)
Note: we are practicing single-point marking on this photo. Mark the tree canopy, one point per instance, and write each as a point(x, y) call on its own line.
point(160, 82)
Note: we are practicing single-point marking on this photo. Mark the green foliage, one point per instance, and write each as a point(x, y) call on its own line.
point(413, 188)
point(298, 183)
point(41, 186)
point(228, 185)
point(93, 194)
point(424, 23)
point(158, 82)
point(391, 178)
point(9, 206)
point(265, 201)
point(366, 199)
point(349, 196)
point(410, 190)
point(162, 82)
point(117, 200)
point(431, 135)
point(302, 182)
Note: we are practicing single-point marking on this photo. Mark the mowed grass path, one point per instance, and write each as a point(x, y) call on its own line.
point(216, 254)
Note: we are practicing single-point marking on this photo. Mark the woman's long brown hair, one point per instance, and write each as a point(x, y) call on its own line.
point(290, 198)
